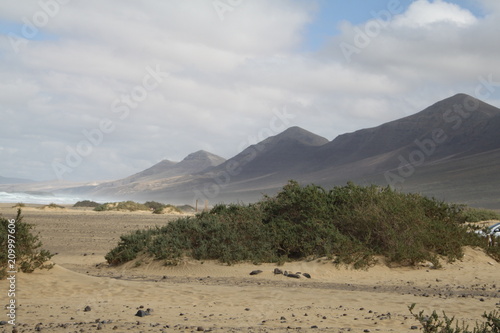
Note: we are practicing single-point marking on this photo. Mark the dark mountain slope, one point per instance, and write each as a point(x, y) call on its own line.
point(464, 124)
point(282, 154)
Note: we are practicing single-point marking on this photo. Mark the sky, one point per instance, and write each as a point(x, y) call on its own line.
point(99, 90)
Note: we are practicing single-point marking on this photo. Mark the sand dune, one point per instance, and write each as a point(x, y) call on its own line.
point(214, 297)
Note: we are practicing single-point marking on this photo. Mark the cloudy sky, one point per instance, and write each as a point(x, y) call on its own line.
point(97, 90)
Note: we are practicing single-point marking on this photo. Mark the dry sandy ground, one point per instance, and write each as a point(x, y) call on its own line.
point(196, 296)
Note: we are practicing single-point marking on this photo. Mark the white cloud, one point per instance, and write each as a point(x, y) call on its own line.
point(225, 77)
point(423, 13)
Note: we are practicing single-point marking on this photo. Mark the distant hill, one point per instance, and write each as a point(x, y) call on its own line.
point(450, 150)
point(153, 177)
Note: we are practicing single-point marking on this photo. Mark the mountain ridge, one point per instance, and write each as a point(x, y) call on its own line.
point(413, 153)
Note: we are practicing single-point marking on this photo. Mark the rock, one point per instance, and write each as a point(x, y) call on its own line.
point(258, 271)
point(200, 329)
point(314, 326)
point(414, 328)
point(142, 313)
point(295, 276)
point(87, 309)
point(3, 322)
point(277, 271)
point(307, 275)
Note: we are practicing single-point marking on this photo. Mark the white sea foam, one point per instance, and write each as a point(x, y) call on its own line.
point(42, 198)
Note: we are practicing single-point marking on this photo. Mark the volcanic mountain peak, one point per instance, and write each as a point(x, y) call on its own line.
point(297, 135)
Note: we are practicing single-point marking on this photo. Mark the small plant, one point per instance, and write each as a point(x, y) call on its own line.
point(156, 207)
point(435, 324)
point(53, 206)
point(130, 206)
point(28, 253)
point(159, 208)
point(86, 203)
point(19, 205)
point(478, 215)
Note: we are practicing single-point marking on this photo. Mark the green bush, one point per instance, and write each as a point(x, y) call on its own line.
point(157, 207)
point(86, 203)
point(434, 324)
point(348, 223)
point(53, 205)
point(124, 205)
point(478, 215)
point(28, 255)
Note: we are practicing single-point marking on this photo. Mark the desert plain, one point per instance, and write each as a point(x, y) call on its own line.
point(81, 293)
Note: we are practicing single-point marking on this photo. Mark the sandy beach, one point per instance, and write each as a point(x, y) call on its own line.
point(82, 294)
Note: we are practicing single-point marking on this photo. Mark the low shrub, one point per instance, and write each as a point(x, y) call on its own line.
point(434, 324)
point(348, 223)
point(53, 206)
point(130, 206)
point(86, 203)
point(479, 214)
point(157, 207)
point(19, 238)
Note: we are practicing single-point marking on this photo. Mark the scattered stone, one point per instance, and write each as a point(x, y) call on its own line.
point(142, 313)
point(87, 309)
point(3, 322)
point(314, 326)
point(258, 271)
point(414, 327)
point(277, 271)
point(200, 329)
point(295, 276)
point(307, 275)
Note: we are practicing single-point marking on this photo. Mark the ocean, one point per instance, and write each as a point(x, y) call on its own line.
point(37, 198)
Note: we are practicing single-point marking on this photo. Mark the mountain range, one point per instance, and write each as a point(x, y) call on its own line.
point(450, 150)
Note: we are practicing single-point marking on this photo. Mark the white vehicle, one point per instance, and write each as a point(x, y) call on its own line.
point(492, 231)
